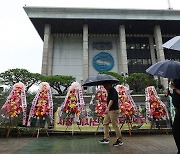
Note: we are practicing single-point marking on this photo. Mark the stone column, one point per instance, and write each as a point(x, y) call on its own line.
point(85, 53)
point(46, 47)
point(158, 41)
point(50, 55)
point(159, 50)
point(152, 51)
point(122, 53)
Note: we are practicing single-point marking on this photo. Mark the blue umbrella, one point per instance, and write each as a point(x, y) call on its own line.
point(99, 80)
point(166, 69)
point(173, 43)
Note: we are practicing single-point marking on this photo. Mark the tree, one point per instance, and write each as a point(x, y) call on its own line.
point(1, 88)
point(12, 76)
point(116, 75)
point(59, 83)
point(139, 81)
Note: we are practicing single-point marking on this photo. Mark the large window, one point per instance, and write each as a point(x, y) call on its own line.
point(137, 46)
point(138, 54)
point(139, 62)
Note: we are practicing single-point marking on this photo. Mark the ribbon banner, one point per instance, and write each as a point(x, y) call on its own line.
point(42, 104)
point(15, 104)
point(155, 108)
point(90, 121)
point(73, 106)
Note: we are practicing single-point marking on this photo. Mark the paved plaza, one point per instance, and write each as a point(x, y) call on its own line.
point(67, 144)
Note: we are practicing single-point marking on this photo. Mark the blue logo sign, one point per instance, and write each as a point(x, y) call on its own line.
point(103, 62)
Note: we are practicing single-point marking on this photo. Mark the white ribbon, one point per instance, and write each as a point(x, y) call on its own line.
point(34, 102)
point(50, 102)
point(31, 113)
point(23, 99)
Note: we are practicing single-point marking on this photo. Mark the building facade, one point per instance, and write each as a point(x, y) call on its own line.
point(82, 42)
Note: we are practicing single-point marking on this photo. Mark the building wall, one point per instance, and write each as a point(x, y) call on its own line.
point(93, 52)
point(67, 57)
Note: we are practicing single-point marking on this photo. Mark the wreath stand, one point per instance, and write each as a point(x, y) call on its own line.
point(129, 124)
point(73, 129)
point(37, 130)
point(9, 126)
point(98, 128)
point(159, 126)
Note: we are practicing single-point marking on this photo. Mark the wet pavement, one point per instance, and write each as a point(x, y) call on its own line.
point(88, 144)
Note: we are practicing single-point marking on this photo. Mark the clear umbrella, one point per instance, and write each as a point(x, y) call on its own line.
point(173, 43)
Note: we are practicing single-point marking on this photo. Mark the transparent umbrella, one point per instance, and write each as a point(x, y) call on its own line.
point(173, 43)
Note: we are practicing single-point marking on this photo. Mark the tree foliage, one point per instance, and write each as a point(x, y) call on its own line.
point(12, 76)
point(139, 81)
point(59, 83)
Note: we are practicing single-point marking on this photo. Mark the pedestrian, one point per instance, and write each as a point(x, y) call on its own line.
point(176, 102)
point(111, 115)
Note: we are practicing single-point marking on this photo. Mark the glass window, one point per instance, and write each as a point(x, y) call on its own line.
point(143, 46)
point(133, 61)
point(137, 46)
point(148, 47)
point(145, 62)
point(132, 46)
point(139, 61)
point(128, 46)
point(129, 62)
point(149, 61)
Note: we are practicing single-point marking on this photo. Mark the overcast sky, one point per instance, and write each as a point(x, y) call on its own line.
point(20, 44)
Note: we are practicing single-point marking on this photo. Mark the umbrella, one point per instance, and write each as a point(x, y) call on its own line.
point(173, 43)
point(166, 69)
point(99, 80)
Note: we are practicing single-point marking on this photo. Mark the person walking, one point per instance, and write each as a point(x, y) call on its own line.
point(176, 102)
point(111, 115)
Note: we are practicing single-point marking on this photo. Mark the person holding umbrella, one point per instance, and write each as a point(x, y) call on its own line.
point(112, 111)
point(176, 102)
point(111, 115)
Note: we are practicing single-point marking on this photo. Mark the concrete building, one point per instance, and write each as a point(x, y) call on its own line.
point(82, 42)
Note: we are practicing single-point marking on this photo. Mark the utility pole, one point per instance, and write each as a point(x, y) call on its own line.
point(169, 5)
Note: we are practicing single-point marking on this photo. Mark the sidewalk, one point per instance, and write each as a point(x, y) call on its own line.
point(67, 144)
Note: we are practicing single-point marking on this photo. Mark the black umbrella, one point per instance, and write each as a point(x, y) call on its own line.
point(100, 79)
point(166, 69)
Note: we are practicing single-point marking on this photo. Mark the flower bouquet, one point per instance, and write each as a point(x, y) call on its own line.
point(127, 109)
point(14, 105)
point(99, 104)
point(127, 105)
point(73, 106)
point(42, 105)
point(155, 108)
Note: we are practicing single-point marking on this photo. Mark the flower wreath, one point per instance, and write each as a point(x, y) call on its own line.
point(98, 103)
point(15, 104)
point(42, 105)
point(73, 105)
point(101, 104)
point(127, 105)
point(155, 108)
